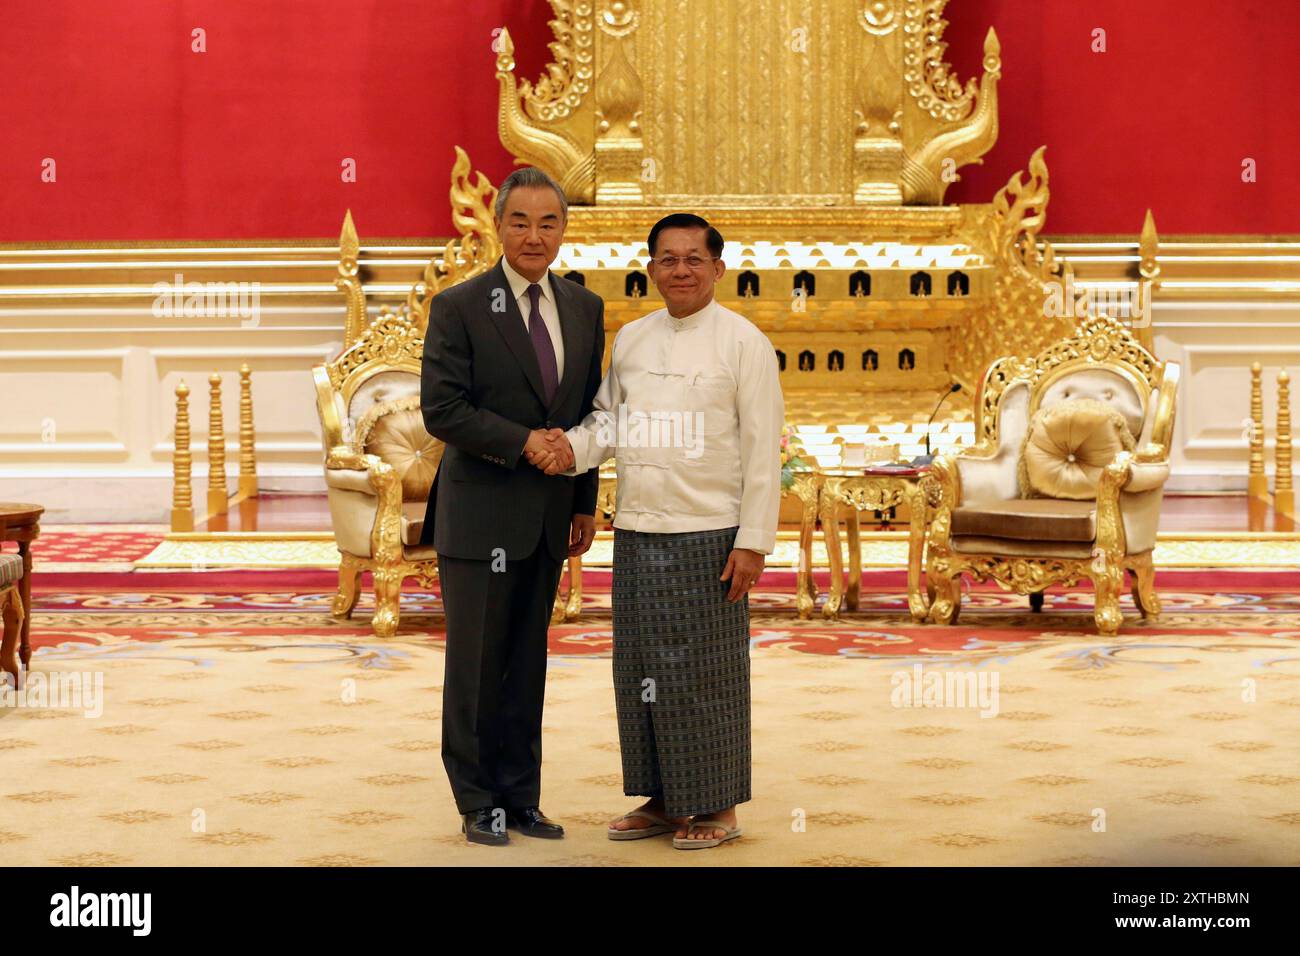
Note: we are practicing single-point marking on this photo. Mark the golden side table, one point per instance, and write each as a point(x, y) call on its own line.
point(568, 604)
point(807, 488)
point(846, 493)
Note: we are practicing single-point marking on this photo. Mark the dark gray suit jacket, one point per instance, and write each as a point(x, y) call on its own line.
point(481, 393)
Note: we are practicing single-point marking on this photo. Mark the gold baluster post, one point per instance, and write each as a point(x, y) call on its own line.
point(217, 494)
point(182, 517)
point(1283, 492)
point(247, 439)
point(1257, 481)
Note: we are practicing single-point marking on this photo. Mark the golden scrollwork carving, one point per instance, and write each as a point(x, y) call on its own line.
point(348, 280)
point(392, 339)
point(475, 250)
point(556, 132)
point(1148, 280)
point(1009, 233)
point(568, 77)
point(478, 247)
point(930, 81)
point(929, 168)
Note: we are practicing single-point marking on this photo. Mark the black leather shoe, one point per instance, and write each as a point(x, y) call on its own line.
point(530, 821)
point(478, 827)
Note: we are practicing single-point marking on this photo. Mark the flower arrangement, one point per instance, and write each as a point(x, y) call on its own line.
point(791, 457)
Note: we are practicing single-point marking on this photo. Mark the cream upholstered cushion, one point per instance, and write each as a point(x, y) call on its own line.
point(1100, 385)
point(1067, 446)
point(394, 432)
point(987, 479)
point(386, 386)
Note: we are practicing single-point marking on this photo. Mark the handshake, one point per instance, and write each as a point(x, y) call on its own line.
point(549, 451)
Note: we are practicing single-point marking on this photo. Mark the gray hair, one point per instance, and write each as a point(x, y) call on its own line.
point(529, 176)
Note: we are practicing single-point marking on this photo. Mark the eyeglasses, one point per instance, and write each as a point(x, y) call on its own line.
point(694, 263)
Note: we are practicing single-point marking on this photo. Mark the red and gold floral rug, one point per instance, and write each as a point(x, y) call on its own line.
point(239, 724)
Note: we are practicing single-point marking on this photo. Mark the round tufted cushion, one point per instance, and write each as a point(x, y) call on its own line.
point(1067, 446)
point(394, 431)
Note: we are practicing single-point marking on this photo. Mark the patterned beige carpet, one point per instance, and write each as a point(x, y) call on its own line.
point(1139, 752)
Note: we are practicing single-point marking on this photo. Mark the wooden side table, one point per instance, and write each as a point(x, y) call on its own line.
point(22, 523)
point(872, 490)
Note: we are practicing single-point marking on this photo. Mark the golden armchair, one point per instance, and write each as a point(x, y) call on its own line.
point(1105, 524)
point(379, 463)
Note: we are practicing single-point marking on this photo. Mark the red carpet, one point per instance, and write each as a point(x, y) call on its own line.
point(125, 608)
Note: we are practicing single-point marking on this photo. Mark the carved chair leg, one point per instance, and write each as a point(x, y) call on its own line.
point(388, 592)
point(1108, 584)
point(568, 604)
point(573, 607)
point(853, 537)
point(835, 556)
point(947, 598)
point(557, 606)
point(349, 588)
point(1036, 601)
point(1144, 589)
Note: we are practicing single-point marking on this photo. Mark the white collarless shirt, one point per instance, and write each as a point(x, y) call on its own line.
point(545, 304)
point(691, 409)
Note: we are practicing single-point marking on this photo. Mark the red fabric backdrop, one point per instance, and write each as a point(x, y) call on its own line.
point(153, 141)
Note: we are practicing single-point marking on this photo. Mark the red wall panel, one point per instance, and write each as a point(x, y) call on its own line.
point(153, 141)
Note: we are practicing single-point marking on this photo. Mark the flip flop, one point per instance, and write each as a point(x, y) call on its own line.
point(659, 825)
point(686, 843)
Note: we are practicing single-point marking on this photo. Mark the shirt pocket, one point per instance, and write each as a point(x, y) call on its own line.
point(709, 397)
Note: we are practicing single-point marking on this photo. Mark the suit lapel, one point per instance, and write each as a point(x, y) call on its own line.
point(574, 342)
point(511, 325)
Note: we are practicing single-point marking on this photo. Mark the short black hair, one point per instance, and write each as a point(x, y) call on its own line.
point(686, 220)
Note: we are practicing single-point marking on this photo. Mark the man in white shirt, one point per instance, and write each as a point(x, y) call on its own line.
point(692, 410)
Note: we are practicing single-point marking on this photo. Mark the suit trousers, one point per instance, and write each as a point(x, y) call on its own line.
point(495, 680)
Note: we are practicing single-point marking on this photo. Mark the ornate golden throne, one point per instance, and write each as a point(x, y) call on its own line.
point(1066, 479)
point(379, 460)
point(379, 464)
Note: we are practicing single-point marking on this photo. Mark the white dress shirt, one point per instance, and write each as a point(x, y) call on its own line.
point(545, 304)
point(692, 411)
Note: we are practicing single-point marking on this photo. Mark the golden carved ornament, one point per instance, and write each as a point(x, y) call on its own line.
point(963, 121)
point(930, 81)
point(348, 280)
point(1009, 235)
point(474, 251)
point(568, 78)
point(563, 142)
point(833, 116)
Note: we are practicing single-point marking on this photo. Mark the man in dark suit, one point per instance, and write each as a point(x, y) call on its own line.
point(511, 358)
